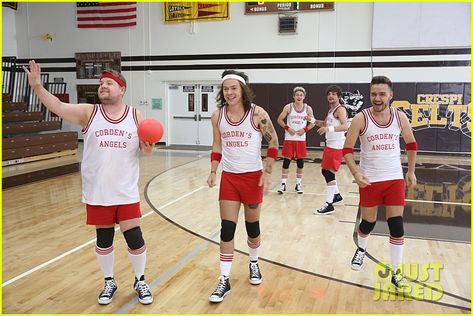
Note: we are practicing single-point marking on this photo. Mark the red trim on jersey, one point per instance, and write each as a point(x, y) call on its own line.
point(336, 109)
point(253, 109)
point(135, 117)
point(239, 122)
point(398, 119)
point(293, 105)
point(91, 118)
point(220, 111)
point(365, 116)
point(391, 119)
point(119, 120)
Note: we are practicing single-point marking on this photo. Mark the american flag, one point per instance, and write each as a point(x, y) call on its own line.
point(106, 14)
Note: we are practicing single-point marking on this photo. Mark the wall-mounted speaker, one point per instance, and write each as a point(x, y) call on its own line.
point(287, 24)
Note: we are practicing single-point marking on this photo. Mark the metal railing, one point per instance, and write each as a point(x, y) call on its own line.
point(15, 83)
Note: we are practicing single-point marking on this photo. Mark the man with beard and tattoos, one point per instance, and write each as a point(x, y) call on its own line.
point(238, 128)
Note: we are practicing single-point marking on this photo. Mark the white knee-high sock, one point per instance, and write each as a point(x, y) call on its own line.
point(226, 260)
point(138, 260)
point(253, 250)
point(105, 257)
point(396, 247)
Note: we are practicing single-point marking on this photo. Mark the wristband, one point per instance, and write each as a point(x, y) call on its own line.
point(411, 146)
point(331, 129)
point(215, 156)
point(286, 127)
point(306, 129)
point(214, 172)
point(347, 151)
point(272, 153)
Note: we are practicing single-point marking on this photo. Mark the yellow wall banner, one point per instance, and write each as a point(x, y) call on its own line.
point(195, 11)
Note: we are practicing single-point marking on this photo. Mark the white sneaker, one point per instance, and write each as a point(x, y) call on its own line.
point(282, 188)
point(298, 188)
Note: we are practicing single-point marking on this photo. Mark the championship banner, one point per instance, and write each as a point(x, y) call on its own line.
point(175, 12)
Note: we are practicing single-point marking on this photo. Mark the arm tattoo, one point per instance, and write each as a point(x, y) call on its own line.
point(268, 137)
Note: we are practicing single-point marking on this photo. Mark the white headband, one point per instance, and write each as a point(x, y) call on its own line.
point(233, 76)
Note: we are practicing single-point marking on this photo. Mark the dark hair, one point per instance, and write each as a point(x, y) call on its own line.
point(115, 73)
point(382, 80)
point(334, 88)
point(247, 94)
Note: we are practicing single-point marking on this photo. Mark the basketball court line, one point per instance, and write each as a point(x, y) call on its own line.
point(76, 249)
point(356, 195)
point(166, 275)
point(376, 261)
point(210, 240)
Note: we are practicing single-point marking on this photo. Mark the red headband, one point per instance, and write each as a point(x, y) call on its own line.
point(114, 78)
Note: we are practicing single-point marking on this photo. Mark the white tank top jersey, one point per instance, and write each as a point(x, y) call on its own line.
point(380, 158)
point(334, 139)
point(110, 164)
point(241, 143)
point(295, 120)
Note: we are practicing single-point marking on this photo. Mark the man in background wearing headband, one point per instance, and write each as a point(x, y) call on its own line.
point(238, 129)
point(110, 172)
point(294, 138)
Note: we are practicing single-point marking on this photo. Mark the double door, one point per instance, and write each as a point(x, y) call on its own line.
point(191, 107)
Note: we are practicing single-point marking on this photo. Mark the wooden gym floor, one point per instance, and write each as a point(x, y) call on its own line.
point(49, 264)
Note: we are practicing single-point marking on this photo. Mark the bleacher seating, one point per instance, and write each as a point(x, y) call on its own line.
point(33, 148)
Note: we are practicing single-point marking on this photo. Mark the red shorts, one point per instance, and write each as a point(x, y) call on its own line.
point(114, 214)
point(242, 187)
point(389, 192)
point(332, 158)
point(294, 148)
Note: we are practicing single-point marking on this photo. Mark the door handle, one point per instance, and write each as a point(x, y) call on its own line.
point(200, 117)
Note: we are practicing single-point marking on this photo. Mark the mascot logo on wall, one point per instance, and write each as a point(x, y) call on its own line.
point(353, 102)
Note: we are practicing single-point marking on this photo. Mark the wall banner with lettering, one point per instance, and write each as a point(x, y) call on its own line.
point(175, 12)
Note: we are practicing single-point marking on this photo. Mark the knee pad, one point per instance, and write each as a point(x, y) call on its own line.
point(105, 237)
point(227, 232)
point(328, 175)
point(300, 163)
point(366, 227)
point(252, 229)
point(286, 163)
point(134, 238)
point(396, 226)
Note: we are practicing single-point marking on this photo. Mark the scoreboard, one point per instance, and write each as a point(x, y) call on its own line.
point(281, 7)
